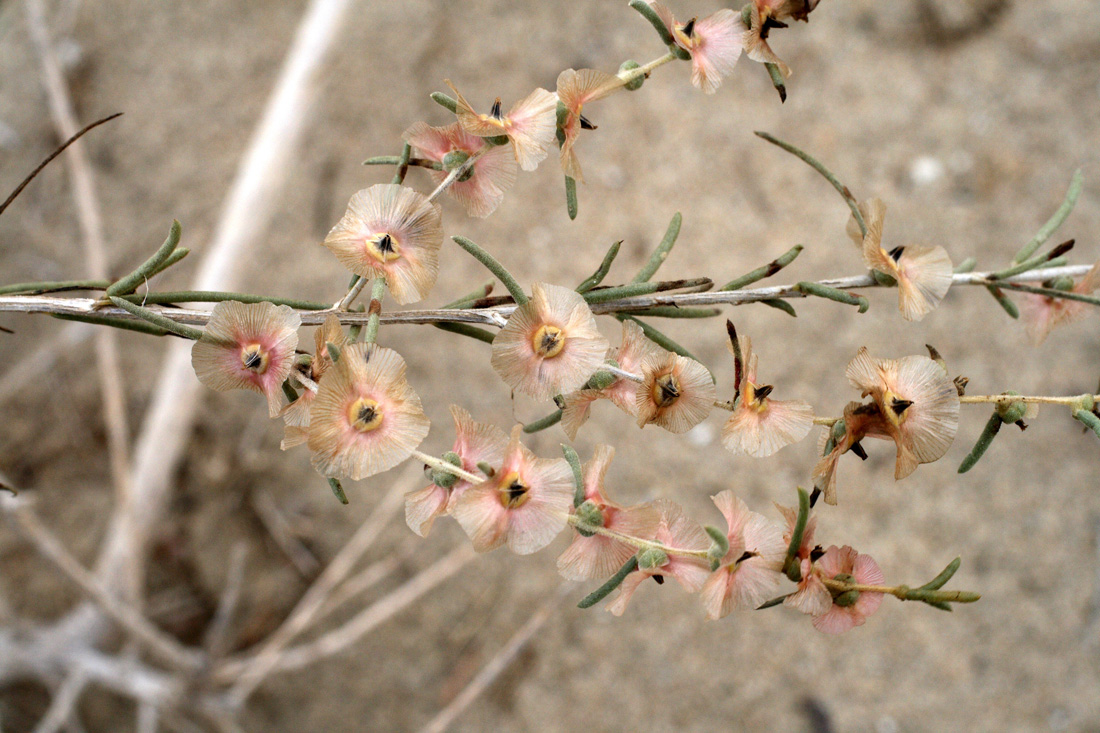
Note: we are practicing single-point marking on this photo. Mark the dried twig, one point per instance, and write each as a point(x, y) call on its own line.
point(247, 212)
point(304, 561)
point(382, 610)
point(216, 639)
point(63, 703)
point(496, 316)
point(164, 646)
point(500, 661)
point(306, 611)
point(91, 226)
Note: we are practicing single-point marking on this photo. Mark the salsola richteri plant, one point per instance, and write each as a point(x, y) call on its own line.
point(349, 407)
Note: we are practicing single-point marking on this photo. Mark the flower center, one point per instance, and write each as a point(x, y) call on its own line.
point(365, 415)
point(896, 407)
point(513, 492)
point(685, 32)
point(254, 358)
point(548, 341)
point(758, 396)
point(383, 247)
point(666, 390)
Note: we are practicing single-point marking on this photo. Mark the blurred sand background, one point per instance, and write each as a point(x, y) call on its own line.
point(970, 139)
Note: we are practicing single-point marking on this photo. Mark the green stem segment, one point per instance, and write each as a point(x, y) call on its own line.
point(465, 329)
point(777, 80)
point(157, 320)
point(673, 311)
point(574, 462)
point(601, 272)
point(338, 490)
point(396, 160)
point(840, 296)
point(123, 323)
point(992, 427)
point(1055, 221)
point(1089, 420)
point(614, 582)
point(571, 206)
point(1034, 262)
point(781, 305)
point(791, 565)
point(131, 282)
point(646, 11)
point(1003, 301)
point(643, 288)
point(543, 423)
point(494, 267)
point(945, 575)
point(1051, 293)
point(766, 270)
point(445, 102)
point(56, 286)
point(814, 163)
point(402, 165)
point(215, 296)
point(377, 292)
point(661, 253)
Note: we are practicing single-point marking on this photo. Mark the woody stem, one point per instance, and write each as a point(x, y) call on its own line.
point(1050, 400)
point(622, 373)
point(628, 76)
point(635, 541)
point(457, 173)
point(441, 465)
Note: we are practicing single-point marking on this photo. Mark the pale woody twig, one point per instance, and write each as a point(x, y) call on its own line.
point(216, 639)
point(261, 664)
point(339, 639)
point(500, 661)
point(91, 225)
point(63, 703)
point(247, 213)
point(496, 316)
point(281, 532)
point(164, 646)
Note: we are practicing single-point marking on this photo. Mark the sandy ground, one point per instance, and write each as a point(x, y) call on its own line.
point(971, 142)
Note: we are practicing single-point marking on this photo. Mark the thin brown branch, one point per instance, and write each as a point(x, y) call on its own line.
point(49, 158)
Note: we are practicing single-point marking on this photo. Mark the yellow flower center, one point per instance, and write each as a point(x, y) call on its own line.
point(513, 492)
point(365, 415)
point(666, 390)
point(897, 409)
point(548, 341)
point(757, 396)
point(254, 358)
point(383, 248)
point(684, 33)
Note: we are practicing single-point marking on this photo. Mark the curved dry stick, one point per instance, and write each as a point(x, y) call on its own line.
point(91, 226)
point(248, 210)
point(500, 661)
point(310, 605)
